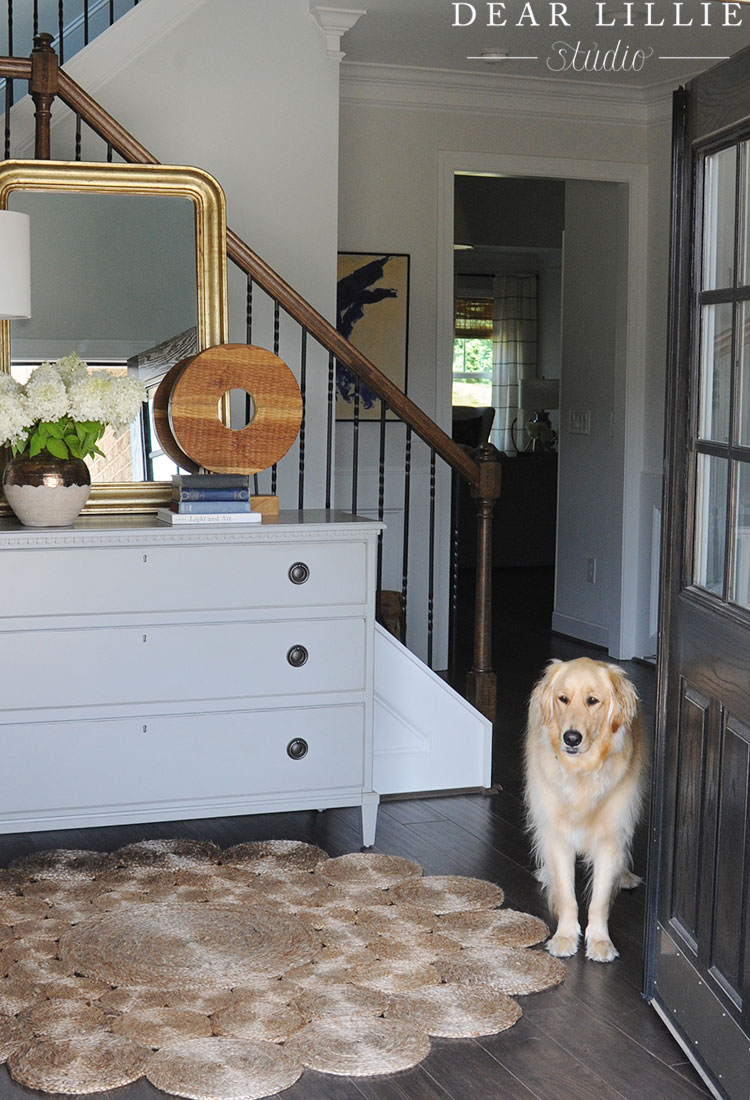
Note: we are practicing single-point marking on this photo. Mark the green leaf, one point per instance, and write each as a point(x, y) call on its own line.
point(54, 429)
point(57, 448)
point(35, 445)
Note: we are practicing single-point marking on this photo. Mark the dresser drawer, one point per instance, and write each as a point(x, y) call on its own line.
point(127, 766)
point(115, 580)
point(128, 665)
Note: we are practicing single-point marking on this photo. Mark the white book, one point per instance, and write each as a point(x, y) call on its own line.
point(166, 515)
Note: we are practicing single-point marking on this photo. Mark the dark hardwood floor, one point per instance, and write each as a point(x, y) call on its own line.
point(591, 1038)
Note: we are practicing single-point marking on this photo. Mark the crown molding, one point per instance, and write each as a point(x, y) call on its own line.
point(335, 22)
point(447, 89)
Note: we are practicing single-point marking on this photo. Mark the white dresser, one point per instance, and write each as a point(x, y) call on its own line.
point(155, 673)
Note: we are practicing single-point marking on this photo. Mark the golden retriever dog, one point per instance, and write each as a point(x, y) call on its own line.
point(585, 763)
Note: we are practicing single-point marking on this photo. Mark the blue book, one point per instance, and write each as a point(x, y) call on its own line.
point(210, 506)
point(211, 494)
point(211, 481)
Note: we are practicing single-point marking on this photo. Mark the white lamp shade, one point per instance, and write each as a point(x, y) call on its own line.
point(15, 264)
point(539, 393)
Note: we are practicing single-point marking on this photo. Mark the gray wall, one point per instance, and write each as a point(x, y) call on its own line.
point(111, 275)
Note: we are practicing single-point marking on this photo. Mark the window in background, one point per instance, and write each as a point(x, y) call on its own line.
point(472, 352)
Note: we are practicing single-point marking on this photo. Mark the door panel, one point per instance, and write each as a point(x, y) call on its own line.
point(698, 953)
point(726, 959)
point(691, 773)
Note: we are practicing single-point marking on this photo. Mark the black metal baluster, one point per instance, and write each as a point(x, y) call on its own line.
point(147, 443)
point(35, 19)
point(61, 30)
point(249, 311)
point(329, 425)
point(8, 105)
point(78, 137)
point(10, 28)
point(303, 391)
point(355, 445)
point(276, 342)
point(249, 340)
point(85, 22)
point(453, 603)
point(405, 559)
point(111, 12)
point(431, 568)
point(381, 493)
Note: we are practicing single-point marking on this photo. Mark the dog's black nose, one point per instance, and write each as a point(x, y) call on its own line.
point(572, 738)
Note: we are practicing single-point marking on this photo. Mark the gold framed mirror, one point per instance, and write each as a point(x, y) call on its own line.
point(126, 226)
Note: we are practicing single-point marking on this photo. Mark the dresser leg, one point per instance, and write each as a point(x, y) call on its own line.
point(370, 802)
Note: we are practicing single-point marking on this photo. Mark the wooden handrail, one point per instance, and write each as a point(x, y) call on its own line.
point(347, 354)
point(15, 68)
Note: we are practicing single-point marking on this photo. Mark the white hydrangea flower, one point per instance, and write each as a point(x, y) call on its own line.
point(66, 390)
point(14, 417)
point(8, 384)
point(85, 398)
point(72, 366)
point(124, 397)
point(46, 396)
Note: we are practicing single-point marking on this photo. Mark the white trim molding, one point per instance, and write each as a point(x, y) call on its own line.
point(446, 89)
point(621, 637)
point(335, 22)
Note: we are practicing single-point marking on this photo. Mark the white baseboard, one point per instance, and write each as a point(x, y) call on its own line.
point(580, 629)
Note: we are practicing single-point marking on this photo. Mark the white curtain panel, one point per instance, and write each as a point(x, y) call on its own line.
point(514, 354)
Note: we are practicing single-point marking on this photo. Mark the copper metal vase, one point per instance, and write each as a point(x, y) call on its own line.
point(45, 491)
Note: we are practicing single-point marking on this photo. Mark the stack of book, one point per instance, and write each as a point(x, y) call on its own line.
point(210, 498)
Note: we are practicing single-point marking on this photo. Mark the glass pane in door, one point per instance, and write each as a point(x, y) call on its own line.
point(720, 182)
point(710, 523)
point(715, 372)
point(743, 391)
point(741, 572)
point(744, 276)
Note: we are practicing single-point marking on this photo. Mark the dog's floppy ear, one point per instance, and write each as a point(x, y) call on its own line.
point(541, 704)
point(624, 698)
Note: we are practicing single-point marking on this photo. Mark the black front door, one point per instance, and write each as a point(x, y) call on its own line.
point(698, 966)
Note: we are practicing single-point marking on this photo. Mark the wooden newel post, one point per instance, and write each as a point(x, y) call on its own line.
point(43, 89)
point(481, 686)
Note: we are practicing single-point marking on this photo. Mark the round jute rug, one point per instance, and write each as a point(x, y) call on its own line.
point(225, 974)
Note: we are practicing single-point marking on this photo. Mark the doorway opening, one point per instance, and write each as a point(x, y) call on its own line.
point(508, 248)
point(550, 259)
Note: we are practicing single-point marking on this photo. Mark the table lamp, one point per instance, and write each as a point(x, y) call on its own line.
point(15, 265)
point(541, 395)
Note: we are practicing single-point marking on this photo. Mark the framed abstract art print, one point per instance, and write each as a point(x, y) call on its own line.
point(372, 311)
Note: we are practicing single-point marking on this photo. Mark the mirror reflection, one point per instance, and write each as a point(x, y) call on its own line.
point(114, 279)
point(128, 270)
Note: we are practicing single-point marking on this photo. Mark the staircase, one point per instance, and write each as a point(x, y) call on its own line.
point(72, 23)
point(409, 482)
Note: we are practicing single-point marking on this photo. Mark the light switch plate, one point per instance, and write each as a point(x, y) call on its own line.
point(579, 421)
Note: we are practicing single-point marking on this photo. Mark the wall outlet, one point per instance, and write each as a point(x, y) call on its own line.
point(591, 571)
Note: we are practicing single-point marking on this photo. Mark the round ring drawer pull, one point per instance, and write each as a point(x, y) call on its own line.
point(297, 656)
point(297, 748)
point(299, 572)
